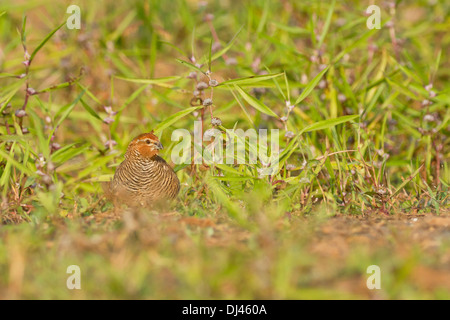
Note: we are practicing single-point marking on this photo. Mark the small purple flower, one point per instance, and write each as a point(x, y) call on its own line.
point(216, 46)
point(110, 143)
point(207, 102)
point(289, 106)
point(289, 134)
point(231, 62)
point(216, 122)
point(426, 102)
point(372, 47)
point(192, 75)
point(341, 97)
point(304, 79)
point(209, 17)
point(31, 91)
point(213, 82)
point(202, 85)
point(108, 120)
point(20, 113)
point(109, 111)
point(322, 84)
point(56, 146)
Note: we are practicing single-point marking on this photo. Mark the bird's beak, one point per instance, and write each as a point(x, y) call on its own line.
point(159, 146)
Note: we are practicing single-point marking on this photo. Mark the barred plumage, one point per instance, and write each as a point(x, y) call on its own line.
point(144, 178)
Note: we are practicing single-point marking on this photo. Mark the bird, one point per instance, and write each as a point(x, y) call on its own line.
point(144, 179)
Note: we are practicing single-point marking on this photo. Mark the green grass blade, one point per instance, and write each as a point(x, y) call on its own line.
point(255, 102)
point(174, 118)
point(162, 82)
point(327, 24)
point(404, 183)
point(311, 85)
point(249, 80)
point(39, 47)
point(326, 124)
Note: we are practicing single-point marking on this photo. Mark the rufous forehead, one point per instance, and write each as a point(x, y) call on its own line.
point(144, 136)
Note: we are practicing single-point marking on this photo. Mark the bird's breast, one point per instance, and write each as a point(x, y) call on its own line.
point(150, 178)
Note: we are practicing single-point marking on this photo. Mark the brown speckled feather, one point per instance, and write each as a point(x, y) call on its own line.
point(144, 178)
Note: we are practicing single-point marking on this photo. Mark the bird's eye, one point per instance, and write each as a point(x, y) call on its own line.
point(148, 141)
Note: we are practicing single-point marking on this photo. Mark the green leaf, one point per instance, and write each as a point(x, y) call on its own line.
point(39, 132)
point(404, 183)
point(255, 102)
point(89, 93)
point(233, 178)
point(65, 113)
point(172, 46)
point(291, 29)
point(90, 110)
point(16, 164)
point(230, 169)
point(174, 118)
point(15, 137)
point(68, 152)
point(210, 52)
point(22, 32)
point(158, 81)
point(250, 80)
point(325, 124)
point(190, 65)
point(232, 208)
point(311, 85)
point(402, 89)
point(118, 30)
point(9, 92)
point(100, 178)
point(7, 169)
point(60, 86)
point(349, 48)
point(8, 75)
point(320, 125)
point(224, 50)
point(327, 24)
point(39, 47)
point(133, 96)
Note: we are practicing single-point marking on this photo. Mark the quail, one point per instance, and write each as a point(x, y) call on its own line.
point(144, 178)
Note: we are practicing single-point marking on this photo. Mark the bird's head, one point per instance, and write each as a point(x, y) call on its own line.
point(145, 145)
